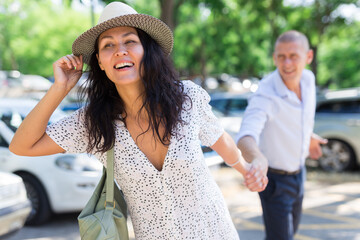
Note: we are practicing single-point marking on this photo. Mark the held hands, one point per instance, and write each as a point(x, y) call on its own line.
point(255, 178)
point(67, 71)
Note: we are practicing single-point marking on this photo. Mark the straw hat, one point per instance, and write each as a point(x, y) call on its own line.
point(117, 14)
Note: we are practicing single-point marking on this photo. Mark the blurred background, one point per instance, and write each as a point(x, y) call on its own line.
point(223, 45)
point(212, 37)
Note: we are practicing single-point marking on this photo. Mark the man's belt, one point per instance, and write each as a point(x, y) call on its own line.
point(283, 172)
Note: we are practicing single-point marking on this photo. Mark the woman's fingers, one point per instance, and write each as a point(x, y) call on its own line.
point(67, 71)
point(72, 62)
point(76, 62)
point(259, 185)
point(255, 180)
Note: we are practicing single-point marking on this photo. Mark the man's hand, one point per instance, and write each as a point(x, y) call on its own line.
point(315, 149)
point(256, 179)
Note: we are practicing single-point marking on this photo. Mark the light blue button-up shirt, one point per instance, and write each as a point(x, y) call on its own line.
point(279, 122)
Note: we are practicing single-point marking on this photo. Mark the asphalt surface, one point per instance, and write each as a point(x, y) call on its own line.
point(331, 210)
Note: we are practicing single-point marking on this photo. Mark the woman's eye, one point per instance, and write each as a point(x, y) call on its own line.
point(107, 45)
point(130, 41)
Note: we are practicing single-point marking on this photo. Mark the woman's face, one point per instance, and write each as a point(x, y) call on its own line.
point(120, 54)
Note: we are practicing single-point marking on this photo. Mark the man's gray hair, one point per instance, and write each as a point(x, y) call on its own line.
point(294, 36)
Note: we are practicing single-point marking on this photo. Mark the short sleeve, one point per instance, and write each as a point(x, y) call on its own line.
point(210, 129)
point(70, 132)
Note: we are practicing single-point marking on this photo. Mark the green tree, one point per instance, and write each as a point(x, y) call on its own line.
point(211, 36)
point(338, 57)
point(44, 33)
point(316, 19)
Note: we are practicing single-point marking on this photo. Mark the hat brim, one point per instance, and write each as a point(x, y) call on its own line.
point(85, 44)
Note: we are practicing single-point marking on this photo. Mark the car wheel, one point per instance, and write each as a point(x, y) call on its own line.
point(337, 156)
point(40, 211)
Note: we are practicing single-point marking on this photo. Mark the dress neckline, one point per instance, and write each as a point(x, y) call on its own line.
point(136, 147)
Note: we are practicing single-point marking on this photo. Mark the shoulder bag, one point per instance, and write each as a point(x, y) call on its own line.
point(104, 216)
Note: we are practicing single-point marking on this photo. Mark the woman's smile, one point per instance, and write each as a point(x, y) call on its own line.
point(123, 65)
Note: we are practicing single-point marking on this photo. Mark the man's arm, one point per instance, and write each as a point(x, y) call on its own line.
point(249, 149)
point(252, 155)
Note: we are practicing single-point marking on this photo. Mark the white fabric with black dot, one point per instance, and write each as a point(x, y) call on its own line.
point(182, 201)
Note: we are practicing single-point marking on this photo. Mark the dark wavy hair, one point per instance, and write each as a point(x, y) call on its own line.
point(163, 98)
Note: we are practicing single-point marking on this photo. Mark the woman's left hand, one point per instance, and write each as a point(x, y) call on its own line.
point(256, 179)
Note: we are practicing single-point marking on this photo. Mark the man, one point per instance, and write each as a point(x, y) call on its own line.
point(277, 127)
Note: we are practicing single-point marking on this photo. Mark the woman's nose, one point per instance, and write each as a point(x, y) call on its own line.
point(121, 50)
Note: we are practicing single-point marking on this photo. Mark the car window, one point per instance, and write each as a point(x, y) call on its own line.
point(219, 104)
point(3, 142)
point(237, 105)
point(217, 113)
point(339, 107)
point(12, 120)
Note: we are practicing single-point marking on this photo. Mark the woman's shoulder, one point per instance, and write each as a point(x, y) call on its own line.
point(191, 88)
point(188, 84)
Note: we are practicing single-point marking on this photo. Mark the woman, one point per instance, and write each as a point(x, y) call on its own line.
point(137, 105)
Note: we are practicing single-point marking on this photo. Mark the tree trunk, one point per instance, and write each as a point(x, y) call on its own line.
point(203, 63)
point(167, 13)
point(314, 63)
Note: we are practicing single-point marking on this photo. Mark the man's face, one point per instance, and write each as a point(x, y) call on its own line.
point(291, 58)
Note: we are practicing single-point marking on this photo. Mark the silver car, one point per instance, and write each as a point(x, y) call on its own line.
point(14, 204)
point(337, 118)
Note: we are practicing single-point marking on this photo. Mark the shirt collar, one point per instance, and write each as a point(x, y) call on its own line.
point(280, 86)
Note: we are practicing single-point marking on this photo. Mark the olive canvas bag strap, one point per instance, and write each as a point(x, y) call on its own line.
point(110, 177)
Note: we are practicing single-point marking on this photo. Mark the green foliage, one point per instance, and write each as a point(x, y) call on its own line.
point(142, 6)
point(211, 36)
point(339, 56)
point(44, 34)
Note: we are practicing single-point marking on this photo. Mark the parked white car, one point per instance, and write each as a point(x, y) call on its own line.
point(56, 183)
point(14, 204)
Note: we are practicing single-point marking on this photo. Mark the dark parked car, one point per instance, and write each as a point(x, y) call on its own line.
point(230, 104)
point(338, 119)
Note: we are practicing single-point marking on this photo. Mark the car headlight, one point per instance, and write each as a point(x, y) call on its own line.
point(78, 163)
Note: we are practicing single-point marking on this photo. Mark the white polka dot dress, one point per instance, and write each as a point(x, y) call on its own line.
point(182, 201)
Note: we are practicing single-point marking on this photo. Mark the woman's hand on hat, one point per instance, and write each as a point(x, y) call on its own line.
point(67, 71)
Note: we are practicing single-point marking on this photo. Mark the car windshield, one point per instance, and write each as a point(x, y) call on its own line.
point(12, 120)
point(13, 116)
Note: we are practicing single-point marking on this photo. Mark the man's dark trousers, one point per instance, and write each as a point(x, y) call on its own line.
point(282, 204)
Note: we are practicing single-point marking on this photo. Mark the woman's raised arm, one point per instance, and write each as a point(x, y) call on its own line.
point(30, 138)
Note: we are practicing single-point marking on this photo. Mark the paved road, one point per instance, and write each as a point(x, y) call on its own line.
point(331, 210)
point(331, 207)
